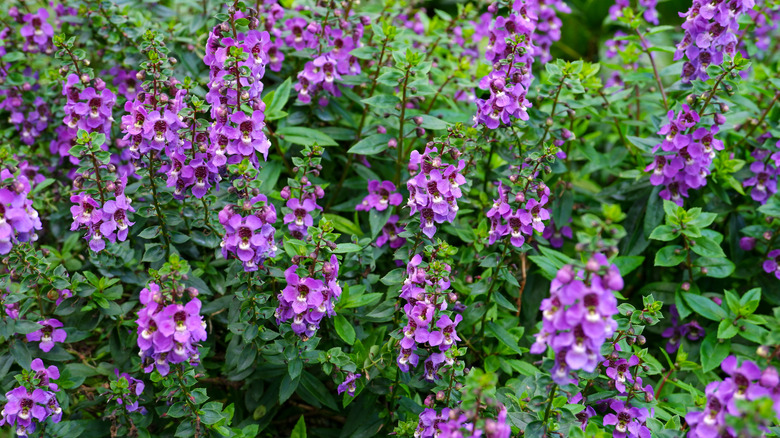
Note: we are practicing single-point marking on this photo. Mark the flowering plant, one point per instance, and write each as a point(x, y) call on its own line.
point(527, 218)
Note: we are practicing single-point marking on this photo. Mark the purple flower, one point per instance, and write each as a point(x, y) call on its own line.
point(48, 334)
point(307, 300)
point(628, 420)
point(381, 195)
point(349, 384)
point(772, 263)
point(578, 317)
point(45, 375)
point(620, 372)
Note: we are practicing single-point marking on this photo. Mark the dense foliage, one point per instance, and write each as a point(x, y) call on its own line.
point(537, 218)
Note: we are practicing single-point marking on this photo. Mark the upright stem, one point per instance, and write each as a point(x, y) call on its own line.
point(401, 136)
point(549, 407)
point(646, 49)
point(158, 210)
point(760, 120)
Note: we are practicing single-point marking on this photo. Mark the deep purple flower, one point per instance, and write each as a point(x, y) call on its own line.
point(381, 195)
point(349, 384)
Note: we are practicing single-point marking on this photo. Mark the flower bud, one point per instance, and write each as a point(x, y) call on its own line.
point(285, 193)
point(392, 143)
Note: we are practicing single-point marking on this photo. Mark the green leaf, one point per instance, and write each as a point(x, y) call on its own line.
point(344, 329)
point(278, 98)
point(299, 431)
point(305, 136)
point(727, 329)
point(382, 101)
point(371, 145)
point(377, 220)
point(716, 267)
point(430, 122)
point(665, 233)
point(154, 252)
point(627, 264)
point(344, 225)
point(342, 248)
point(713, 352)
point(705, 307)
point(671, 255)
point(503, 336)
point(707, 247)
point(750, 301)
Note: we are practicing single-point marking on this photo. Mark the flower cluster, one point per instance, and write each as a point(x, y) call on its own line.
point(688, 155)
point(249, 238)
point(548, 25)
point(527, 218)
point(427, 326)
point(745, 381)
point(381, 194)
point(461, 424)
point(711, 29)
point(90, 111)
point(332, 47)
point(511, 51)
point(434, 189)
point(236, 67)
point(49, 334)
point(578, 316)
point(103, 219)
point(18, 218)
point(306, 300)
point(168, 332)
point(32, 403)
point(692, 330)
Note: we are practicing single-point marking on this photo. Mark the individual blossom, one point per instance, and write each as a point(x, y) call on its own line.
point(349, 384)
point(49, 334)
point(772, 263)
point(381, 194)
point(578, 316)
point(620, 372)
point(45, 375)
point(629, 421)
point(692, 330)
point(390, 232)
point(556, 235)
point(37, 32)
